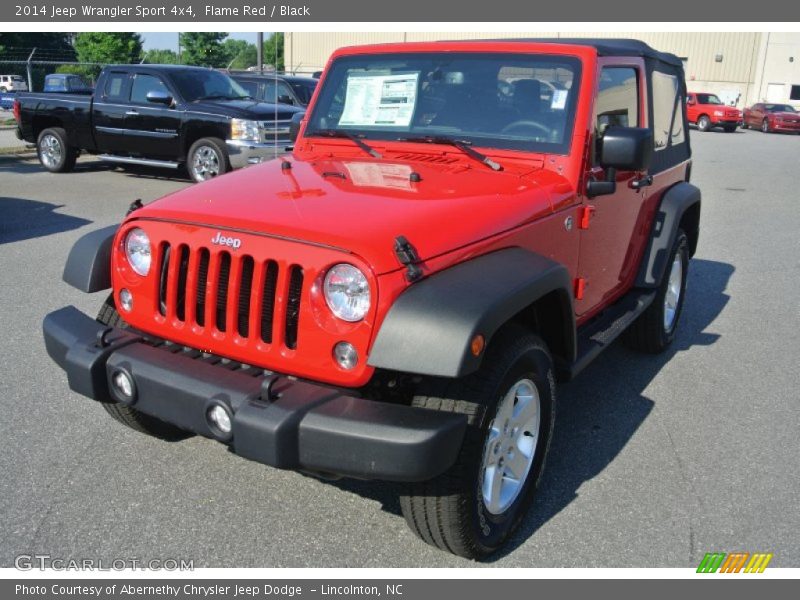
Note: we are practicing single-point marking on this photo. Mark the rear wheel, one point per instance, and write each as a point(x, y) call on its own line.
point(127, 415)
point(55, 153)
point(207, 159)
point(472, 508)
point(703, 123)
point(655, 329)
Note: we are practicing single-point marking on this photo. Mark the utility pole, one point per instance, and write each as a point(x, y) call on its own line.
point(29, 70)
point(260, 51)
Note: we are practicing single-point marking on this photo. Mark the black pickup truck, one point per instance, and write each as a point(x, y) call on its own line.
point(156, 115)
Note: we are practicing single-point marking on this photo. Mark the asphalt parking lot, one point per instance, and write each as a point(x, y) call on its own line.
point(656, 459)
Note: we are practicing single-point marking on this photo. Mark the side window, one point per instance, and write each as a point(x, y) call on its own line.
point(618, 98)
point(144, 84)
point(667, 111)
point(283, 90)
point(115, 87)
point(251, 87)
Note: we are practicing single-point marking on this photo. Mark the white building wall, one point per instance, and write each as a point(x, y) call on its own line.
point(733, 64)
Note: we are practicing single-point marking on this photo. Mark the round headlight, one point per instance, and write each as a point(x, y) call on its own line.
point(347, 292)
point(137, 251)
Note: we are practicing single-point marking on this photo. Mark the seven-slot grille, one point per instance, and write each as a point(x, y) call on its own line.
point(230, 292)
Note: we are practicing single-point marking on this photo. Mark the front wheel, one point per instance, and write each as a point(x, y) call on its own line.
point(704, 123)
point(473, 508)
point(55, 153)
point(765, 126)
point(127, 415)
point(655, 328)
point(207, 159)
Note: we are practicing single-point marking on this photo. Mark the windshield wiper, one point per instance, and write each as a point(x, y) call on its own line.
point(353, 137)
point(463, 145)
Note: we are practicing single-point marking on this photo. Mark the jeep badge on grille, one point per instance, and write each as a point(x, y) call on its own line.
point(221, 240)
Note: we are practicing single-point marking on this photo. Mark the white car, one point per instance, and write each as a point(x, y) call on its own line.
point(12, 83)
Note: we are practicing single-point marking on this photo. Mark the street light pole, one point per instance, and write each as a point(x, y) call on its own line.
point(260, 51)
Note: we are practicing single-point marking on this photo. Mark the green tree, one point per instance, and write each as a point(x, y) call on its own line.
point(273, 51)
point(238, 54)
point(105, 48)
point(161, 57)
point(203, 48)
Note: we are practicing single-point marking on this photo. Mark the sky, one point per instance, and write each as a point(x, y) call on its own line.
point(165, 40)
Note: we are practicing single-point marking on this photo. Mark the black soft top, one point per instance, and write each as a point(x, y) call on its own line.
point(605, 47)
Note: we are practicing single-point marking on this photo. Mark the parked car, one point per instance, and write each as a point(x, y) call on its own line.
point(13, 83)
point(397, 299)
point(7, 100)
point(66, 83)
point(770, 117)
point(156, 115)
point(280, 89)
point(707, 111)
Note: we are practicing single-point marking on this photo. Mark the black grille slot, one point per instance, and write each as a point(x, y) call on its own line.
point(268, 300)
point(293, 305)
point(162, 279)
point(202, 286)
point(222, 289)
point(183, 271)
point(246, 285)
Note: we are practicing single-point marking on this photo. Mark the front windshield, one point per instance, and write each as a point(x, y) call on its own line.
point(513, 101)
point(708, 99)
point(778, 108)
point(198, 84)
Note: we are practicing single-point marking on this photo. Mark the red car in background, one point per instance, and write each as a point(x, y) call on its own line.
point(769, 117)
point(708, 111)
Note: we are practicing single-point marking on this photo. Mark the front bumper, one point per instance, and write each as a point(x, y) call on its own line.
point(243, 153)
point(278, 421)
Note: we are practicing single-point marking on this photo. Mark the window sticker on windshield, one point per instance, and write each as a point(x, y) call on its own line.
point(380, 100)
point(559, 101)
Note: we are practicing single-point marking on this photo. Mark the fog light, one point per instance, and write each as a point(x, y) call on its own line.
point(123, 384)
point(126, 300)
point(345, 355)
point(220, 418)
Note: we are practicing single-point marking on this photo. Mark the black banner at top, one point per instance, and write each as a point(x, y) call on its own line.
point(468, 11)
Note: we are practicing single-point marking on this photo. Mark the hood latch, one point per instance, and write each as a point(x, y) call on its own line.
point(407, 255)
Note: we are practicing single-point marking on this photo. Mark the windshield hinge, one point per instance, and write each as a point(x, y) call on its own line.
point(407, 256)
point(135, 205)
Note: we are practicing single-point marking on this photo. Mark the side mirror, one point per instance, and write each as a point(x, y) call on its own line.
point(159, 97)
point(294, 126)
point(285, 99)
point(624, 149)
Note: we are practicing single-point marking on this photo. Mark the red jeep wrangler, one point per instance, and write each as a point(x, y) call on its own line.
point(459, 226)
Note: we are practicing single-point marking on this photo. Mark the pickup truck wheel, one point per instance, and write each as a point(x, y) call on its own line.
point(655, 329)
point(765, 126)
point(128, 416)
point(703, 123)
point(472, 508)
point(207, 159)
point(55, 153)
point(744, 124)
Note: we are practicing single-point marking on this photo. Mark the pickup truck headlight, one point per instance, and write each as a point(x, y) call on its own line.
point(246, 130)
point(137, 251)
point(346, 291)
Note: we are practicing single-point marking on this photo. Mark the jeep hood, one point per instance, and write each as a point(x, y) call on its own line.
point(361, 206)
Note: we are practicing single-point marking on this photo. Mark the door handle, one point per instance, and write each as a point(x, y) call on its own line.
point(132, 113)
point(642, 182)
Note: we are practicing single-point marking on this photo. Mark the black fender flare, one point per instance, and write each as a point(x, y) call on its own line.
point(430, 327)
point(678, 199)
point(88, 265)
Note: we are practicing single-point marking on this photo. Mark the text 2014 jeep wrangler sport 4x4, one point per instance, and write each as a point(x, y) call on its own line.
point(460, 225)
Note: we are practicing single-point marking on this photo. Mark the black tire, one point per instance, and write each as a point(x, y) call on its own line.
point(649, 333)
point(765, 126)
point(218, 160)
point(449, 511)
point(730, 128)
point(744, 124)
point(128, 416)
point(54, 151)
point(703, 123)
